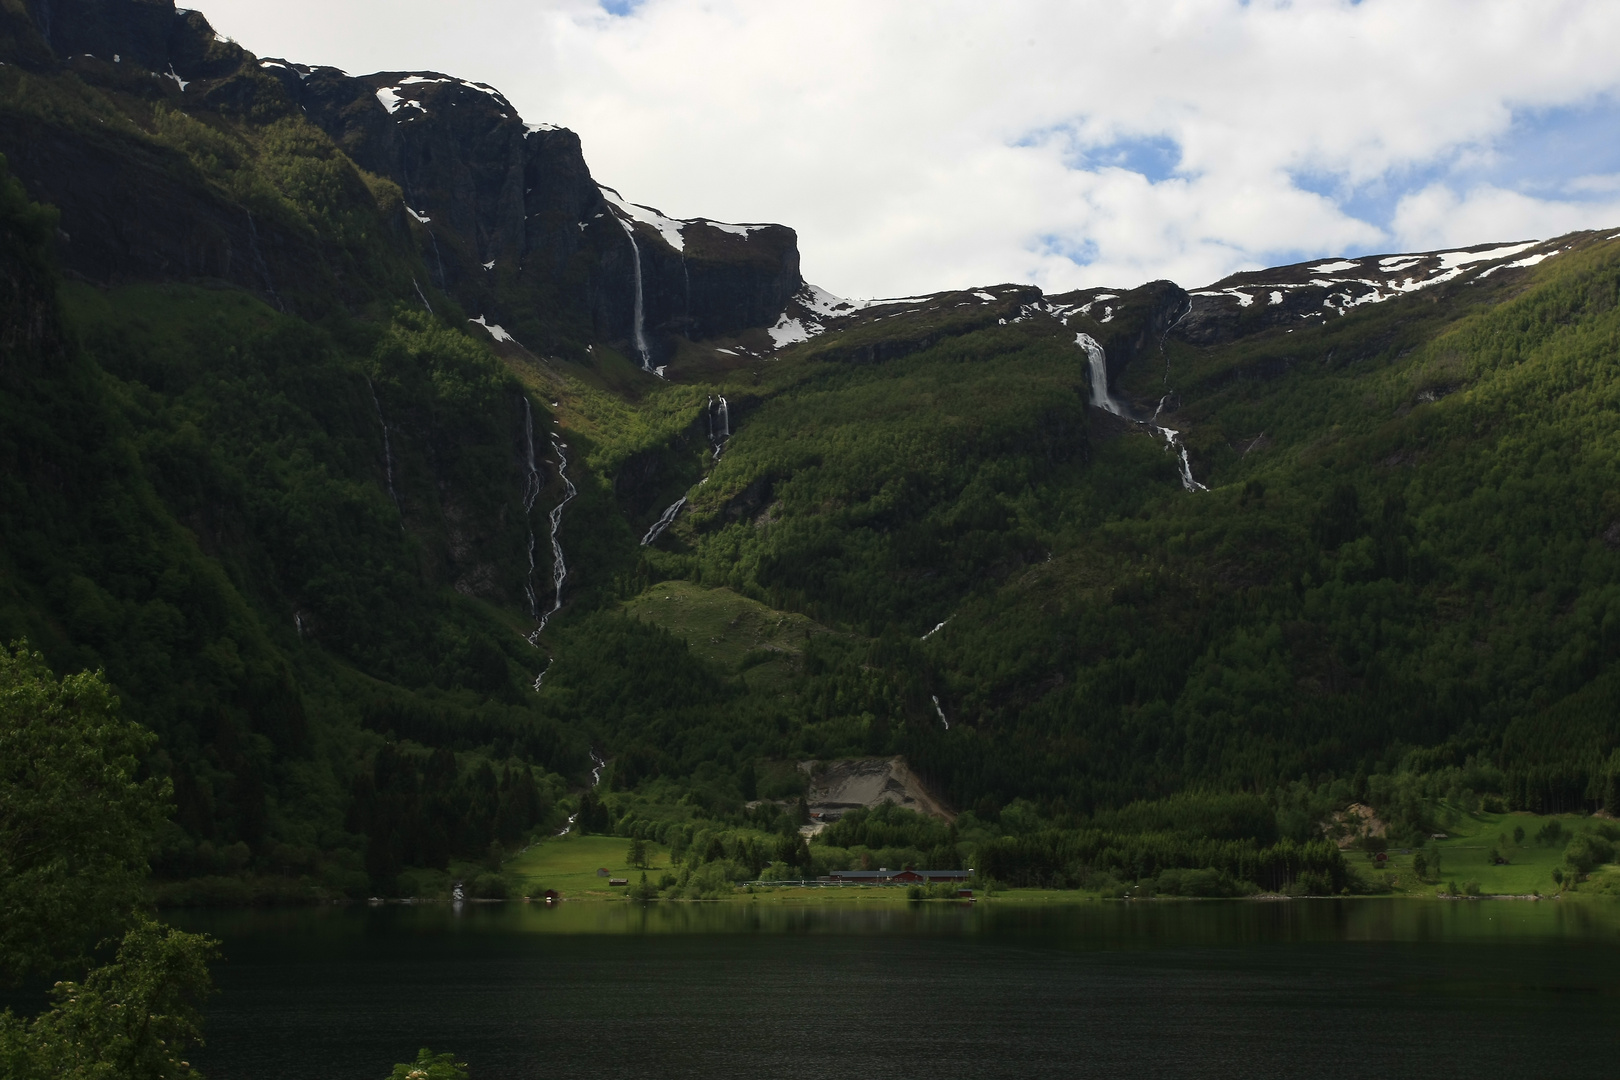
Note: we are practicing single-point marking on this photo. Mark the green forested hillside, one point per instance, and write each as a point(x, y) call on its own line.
point(304, 527)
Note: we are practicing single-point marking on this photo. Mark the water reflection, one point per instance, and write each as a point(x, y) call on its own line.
point(1320, 989)
point(1097, 924)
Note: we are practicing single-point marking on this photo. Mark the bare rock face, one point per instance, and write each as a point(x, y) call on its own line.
point(840, 786)
point(512, 224)
point(502, 216)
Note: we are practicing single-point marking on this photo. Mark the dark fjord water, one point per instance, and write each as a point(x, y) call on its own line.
point(1322, 989)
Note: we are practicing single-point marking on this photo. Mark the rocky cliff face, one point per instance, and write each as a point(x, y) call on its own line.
point(503, 216)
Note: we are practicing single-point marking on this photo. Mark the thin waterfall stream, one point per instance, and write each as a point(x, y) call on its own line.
point(532, 486)
point(639, 328)
point(388, 451)
point(259, 263)
point(559, 566)
point(598, 763)
point(531, 492)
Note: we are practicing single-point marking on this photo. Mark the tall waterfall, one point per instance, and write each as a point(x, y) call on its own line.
point(422, 296)
point(559, 568)
point(1097, 362)
point(664, 522)
point(725, 419)
point(941, 710)
point(388, 447)
point(531, 492)
point(639, 329)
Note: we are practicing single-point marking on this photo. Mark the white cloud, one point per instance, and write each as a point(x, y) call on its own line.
point(922, 144)
point(1438, 217)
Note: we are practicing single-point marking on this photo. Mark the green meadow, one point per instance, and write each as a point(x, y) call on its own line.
point(1466, 856)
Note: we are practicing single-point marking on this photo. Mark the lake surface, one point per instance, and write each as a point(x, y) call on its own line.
point(1360, 988)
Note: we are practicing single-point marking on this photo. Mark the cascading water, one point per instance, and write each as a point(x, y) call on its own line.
point(664, 522)
point(717, 413)
point(1097, 362)
point(559, 568)
point(531, 492)
point(420, 295)
point(439, 259)
point(941, 710)
point(598, 763)
point(388, 448)
point(259, 263)
point(639, 329)
point(1164, 337)
point(935, 630)
point(719, 424)
point(1172, 441)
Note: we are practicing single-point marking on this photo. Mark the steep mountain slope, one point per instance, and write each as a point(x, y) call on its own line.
point(332, 433)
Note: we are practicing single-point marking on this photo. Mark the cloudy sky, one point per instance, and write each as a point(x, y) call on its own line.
point(927, 144)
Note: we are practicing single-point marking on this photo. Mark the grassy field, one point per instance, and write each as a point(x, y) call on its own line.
point(728, 629)
point(1465, 857)
point(569, 865)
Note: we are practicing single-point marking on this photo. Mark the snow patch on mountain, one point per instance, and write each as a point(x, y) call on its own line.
point(789, 331)
point(743, 231)
point(669, 228)
point(1451, 259)
point(821, 302)
point(497, 332)
point(391, 100)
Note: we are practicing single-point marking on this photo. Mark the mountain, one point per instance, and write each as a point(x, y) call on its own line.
point(408, 482)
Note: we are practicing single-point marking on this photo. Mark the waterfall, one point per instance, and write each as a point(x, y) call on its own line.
point(935, 630)
point(664, 522)
point(1172, 441)
point(559, 568)
point(531, 492)
point(639, 330)
point(388, 450)
point(719, 417)
point(434, 240)
point(1097, 361)
point(598, 763)
point(1166, 337)
point(258, 260)
point(941, 710)
point(420, 295)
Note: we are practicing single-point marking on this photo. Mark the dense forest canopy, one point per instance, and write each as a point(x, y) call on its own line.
point(305, 516)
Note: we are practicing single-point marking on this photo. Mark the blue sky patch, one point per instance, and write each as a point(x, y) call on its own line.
point(1156, 157)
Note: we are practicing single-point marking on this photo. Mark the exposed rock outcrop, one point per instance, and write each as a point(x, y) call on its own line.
point(840, 786)
point(503, 216)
